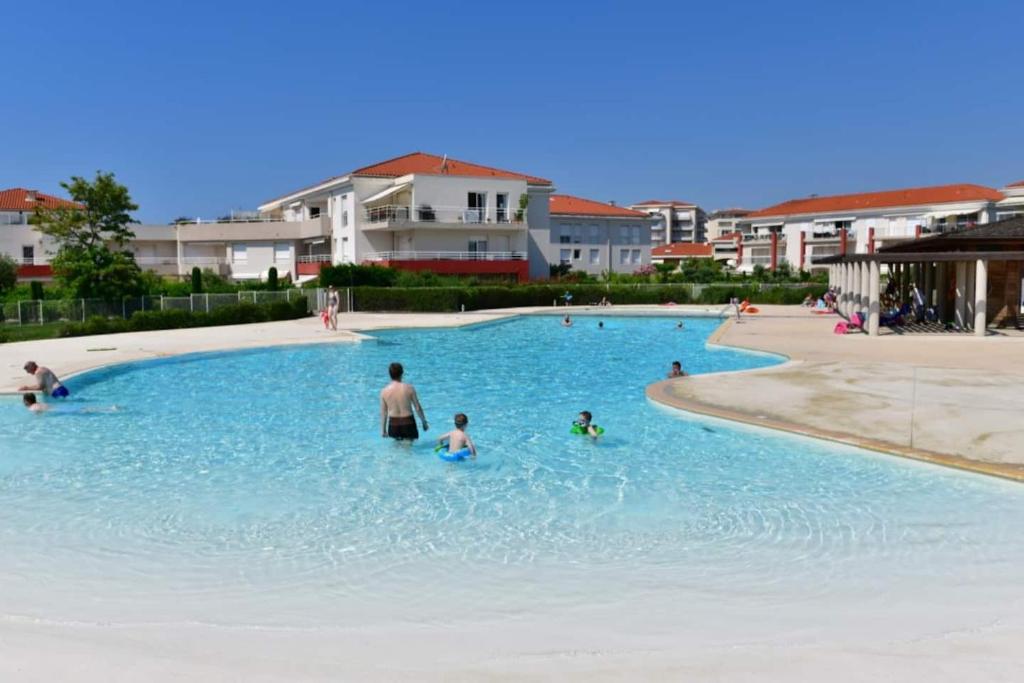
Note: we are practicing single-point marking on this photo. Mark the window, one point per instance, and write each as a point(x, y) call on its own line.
point(623, 257)
point(566, 236)
point(478, 246)
point(28, 254)
point(344, 219)
point(565, 256)
point(314, 212)
point(636, 256)
point(636, 234)
point(239, 253)
point(282, 252)
point(577, 234)
point(11, 218)
point(595, 234)
point(575, 254)
point(595, 257)
point(476, 207)
point(501, 206)
point(624, 234)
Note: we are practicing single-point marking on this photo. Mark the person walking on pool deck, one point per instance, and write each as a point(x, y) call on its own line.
point(458, 439)
point(397, 401)
point(46, 381)
point(332, 307)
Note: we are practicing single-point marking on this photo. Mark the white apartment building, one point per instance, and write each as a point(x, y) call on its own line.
point(594, 237)
point(21, 241)
point(675, 221)
point(721, 222)
point(801, 230)
point(425, 212)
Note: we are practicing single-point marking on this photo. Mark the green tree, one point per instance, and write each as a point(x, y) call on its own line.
point(272, 279)
point(197, 280)
point(36, 289)
point(8, 273)
point(90, 235)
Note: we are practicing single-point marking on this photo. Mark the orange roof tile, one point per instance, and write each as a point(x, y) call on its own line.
point(670, 202)
point(684, 249)
point(1019, 183)
point(913, 196)
point(421, 162)
point(563, 204)
point(17, 199)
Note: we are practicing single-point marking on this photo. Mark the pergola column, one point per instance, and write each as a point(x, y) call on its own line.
point(929, 285)
point(969, 294)
point(960, 304)
point(980, 297)
point(843, 291)
point(850, 290)
point(874, 303)
point(865, 287)
point(941, 288)
point(903, 273)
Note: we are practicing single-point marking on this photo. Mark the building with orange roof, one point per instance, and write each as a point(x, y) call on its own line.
point(424, 211)
point(802, 231)
point(594, 237)
point(676, 220)
point(676, 254)
point(21, 241)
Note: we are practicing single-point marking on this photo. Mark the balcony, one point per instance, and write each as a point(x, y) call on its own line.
point(310, 264)
point(400, 217)
point(485, 263)
point(254, 230)
point(162, 265)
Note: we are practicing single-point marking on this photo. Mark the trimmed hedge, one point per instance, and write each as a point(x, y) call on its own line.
point(233, 314)
point(440, 299)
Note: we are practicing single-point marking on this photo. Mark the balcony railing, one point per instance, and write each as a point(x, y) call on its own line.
point(313, 258)
point(203, 260)
point(446, 256)
point(156, 260)
point(426, 213)
point(37, 261)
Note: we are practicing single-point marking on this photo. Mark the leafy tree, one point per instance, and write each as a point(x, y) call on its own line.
point(91, 260)
point(36, 289)
point(197, 280)
point(559, 270)
point(272, 279)
point(8, 273)
point(759, 272)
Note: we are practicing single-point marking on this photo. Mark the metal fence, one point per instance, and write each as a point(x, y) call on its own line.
point(39, 312)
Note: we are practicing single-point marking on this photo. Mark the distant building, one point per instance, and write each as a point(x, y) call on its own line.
point(19, 239)
point(675, 221)
point(801, 231)
point(676, 254)
point(722, 221)
point(594, 237)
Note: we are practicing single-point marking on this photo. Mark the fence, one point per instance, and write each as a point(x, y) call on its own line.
point(39, 312)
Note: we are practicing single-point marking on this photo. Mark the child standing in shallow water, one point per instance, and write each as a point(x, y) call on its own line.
point(458, 439)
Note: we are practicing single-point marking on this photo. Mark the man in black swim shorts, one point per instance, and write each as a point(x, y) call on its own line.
point(397, 402)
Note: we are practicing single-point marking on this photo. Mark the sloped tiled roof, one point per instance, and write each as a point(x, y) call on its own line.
point(421, 162)
point(914, 196)
point(1019, 183)
point(18, 199)
point(684, 249)
point(675, 203)
point(567, 205)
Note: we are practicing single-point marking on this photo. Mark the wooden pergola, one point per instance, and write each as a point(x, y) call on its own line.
point(969, 278)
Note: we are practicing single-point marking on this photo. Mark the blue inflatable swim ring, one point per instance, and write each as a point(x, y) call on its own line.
point(454, 457)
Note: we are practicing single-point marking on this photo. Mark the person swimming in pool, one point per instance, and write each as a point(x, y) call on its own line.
point(677, 370)
point(567, 321)
point(46, 381)
point(600, 324)
point(397, 401)
point(458, 439)
point(585, 421)
point(32, 404)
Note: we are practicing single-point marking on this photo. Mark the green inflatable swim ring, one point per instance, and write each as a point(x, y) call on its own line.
point(580, 430)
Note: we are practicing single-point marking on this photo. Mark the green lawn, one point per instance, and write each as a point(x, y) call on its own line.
point(17, 333)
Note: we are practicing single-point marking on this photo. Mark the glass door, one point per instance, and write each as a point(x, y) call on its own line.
point(476, 207)
point(501, 207)
point(477, 248)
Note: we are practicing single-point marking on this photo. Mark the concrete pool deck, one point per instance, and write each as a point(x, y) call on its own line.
point(952, 400)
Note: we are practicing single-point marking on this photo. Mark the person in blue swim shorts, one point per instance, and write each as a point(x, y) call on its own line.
point(46, 381)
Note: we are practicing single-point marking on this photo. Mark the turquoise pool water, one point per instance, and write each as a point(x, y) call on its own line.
point(253, 488)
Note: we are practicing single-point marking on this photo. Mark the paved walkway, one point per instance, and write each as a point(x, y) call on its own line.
point(951, 399)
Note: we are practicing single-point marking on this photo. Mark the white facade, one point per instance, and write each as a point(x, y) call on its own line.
point(723, 222)
point(595, 244)
point(674, 221)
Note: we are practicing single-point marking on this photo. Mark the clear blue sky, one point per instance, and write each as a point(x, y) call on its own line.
point(204, 107)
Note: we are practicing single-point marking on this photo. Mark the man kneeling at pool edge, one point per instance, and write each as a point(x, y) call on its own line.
point(458, 439)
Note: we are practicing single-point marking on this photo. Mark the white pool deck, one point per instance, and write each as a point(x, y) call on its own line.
point(954, 396)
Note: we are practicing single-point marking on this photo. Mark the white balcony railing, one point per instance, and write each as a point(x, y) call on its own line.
point(446, 256)
point(203, 260)
point(313, 258)
point(156, 260)
point(426, 213)
point(37, 261)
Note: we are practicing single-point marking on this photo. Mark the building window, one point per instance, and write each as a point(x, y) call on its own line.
point(636, 256)
point(595, 234)
point(239, 253)
point(314, 212)
point(344, 219)
point(566, 236)
point(565, 256)
point(623, 257)
point(28, 254)
point(282, 252)
point(476, 207)
point(636, 234)
point(577, 234)
point(624, 234)
point(595, 257)
point(575, 254)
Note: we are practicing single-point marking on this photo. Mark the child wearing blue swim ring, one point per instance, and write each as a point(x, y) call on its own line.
point(460, 446)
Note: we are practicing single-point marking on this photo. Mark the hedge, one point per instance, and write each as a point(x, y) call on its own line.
point(232, 314)
point(439, 299)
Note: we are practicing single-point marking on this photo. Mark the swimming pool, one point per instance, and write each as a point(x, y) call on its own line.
point(254, 489)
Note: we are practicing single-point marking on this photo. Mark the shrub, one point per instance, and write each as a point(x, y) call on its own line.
point(37, 289)
point(352, 275)
point(272, 279)
point(197, 280)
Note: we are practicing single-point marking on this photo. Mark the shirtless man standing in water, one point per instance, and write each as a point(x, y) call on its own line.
point(397, 401)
